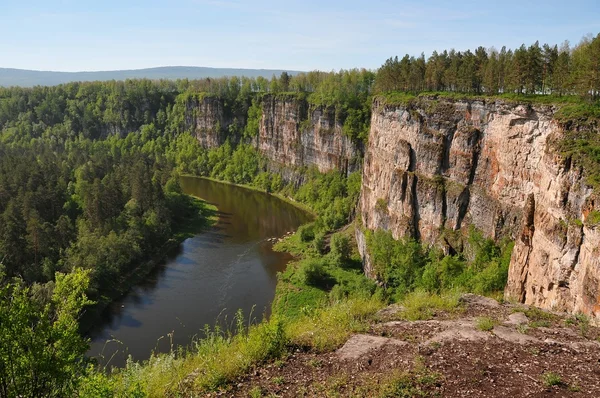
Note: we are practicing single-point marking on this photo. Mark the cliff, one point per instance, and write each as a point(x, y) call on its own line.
point(294, 134)
point(436, 166)
point(205, 118)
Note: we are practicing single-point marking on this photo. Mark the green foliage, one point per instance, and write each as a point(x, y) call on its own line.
point(593, 218)
point(381, 206)
point(313, 273)
point(422, 305)
point(253, 123)
point(415, 383)
point(583, 147)
point(530, 71)
point(306, 232)
point(551, 379)
point(340, 249)
point(41, 351)
point(485, 323)
point(404, 265)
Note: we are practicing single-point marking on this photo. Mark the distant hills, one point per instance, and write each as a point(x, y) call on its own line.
point(28, 78)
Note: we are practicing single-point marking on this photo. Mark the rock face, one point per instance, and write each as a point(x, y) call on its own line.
point(436, 166)
point(293, 134)
point(204, 117)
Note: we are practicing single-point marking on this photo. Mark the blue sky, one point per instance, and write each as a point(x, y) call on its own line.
point(80, 35)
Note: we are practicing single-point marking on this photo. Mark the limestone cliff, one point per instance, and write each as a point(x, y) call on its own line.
point(205, 118)
point(293, 134)
point(438, 165)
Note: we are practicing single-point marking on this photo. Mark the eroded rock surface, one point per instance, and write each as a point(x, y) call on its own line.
point(440, 165)
point(293, 134)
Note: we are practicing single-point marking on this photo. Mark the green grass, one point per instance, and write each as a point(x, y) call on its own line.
point(537, 317)
point(328, 328)
point(581, 320)
point(416, 382)
point(583, 147)
point(551, 379)
point(422, 305)
point(593, 218)
point(485, 324)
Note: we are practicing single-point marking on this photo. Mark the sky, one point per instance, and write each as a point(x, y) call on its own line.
point(84, 35)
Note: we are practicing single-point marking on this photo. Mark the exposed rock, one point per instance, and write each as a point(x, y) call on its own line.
point(361, 344)
point(517, 318)
point(513, 336)
point(443, 165)
point(459, 331)
point(294, 134)
point(473, 299)
point(205, 117)
point(389, 311)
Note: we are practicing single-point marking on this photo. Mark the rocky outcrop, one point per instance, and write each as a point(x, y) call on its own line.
point(294, 134)
point(205, 118)
point(436, 165)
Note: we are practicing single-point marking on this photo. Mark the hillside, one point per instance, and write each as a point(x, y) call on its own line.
point(475, 347)
point(29, 78)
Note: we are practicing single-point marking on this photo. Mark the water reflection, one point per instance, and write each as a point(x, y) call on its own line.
point(230, 266)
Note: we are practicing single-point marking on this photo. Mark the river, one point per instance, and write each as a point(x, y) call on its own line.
point(228, 267)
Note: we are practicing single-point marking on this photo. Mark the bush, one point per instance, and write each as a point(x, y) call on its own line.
point(403, 265)
point(340, 249)
point(319, 242)
point(307, 232)
point(313, 273)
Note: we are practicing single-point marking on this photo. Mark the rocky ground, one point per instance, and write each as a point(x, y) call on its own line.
point(484, 349)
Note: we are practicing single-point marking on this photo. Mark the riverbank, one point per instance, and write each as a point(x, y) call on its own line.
point(203, 216)
point(284, 198)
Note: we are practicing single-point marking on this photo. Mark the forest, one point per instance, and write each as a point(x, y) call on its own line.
point(89, 188)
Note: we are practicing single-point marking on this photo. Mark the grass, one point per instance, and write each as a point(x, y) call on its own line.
point(421, 305)
point(255, 392)
point(414, 383)
point(329, 327)
point(221, 357)
point(485, 324)
point(551, 379)
point(537, 317)
point(593, 218)
point(581, 320)
point(279, 380)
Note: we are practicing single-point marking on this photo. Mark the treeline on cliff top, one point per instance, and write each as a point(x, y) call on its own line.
point(536, 69)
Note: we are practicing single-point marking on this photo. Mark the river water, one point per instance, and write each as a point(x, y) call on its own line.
point(228, 267)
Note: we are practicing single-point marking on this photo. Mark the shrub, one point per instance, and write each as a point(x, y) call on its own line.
point(340, 249)
point(319, 242)
point(381, 206)
point(307, 232)
point(313, 273)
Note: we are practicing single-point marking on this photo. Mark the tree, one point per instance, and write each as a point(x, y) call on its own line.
point(41, 351)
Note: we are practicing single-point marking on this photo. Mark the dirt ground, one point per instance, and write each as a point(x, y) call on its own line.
point(484, 350)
